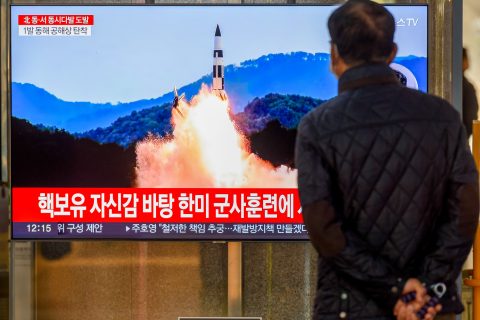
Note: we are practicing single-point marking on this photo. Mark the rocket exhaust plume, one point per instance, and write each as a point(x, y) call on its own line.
point(206, 150)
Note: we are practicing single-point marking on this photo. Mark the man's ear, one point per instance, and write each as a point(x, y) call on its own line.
point(393, 54)
point(337, 64)
point(334, 52)
point(334, 59)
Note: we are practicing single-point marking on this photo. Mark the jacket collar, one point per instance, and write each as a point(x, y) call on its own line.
point(366, 75)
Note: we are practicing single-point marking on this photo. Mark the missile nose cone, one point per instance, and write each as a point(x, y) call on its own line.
point(217, 32)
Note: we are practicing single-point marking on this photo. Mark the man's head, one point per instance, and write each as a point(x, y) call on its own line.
point(361, 31)
point(466, 62)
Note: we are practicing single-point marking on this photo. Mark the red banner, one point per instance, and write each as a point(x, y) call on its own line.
point(195, 205)
point(70, 19)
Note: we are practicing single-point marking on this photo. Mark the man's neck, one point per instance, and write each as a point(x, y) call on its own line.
point(342, 68)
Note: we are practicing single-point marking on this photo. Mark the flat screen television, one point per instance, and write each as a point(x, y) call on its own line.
point(171, 122)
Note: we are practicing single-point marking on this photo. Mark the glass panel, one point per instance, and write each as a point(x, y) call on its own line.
point(130, 280)
point(279, 280)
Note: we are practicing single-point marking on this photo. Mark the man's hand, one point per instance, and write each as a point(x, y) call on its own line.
point(409, 311)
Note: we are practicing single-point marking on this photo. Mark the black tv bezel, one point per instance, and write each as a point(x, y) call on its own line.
point(223, 240)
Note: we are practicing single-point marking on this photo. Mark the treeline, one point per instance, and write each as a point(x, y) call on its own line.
point(134, 127)
point(55, 158)
point(287, 109)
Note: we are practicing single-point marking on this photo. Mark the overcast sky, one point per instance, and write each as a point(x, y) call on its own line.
point(138, 52)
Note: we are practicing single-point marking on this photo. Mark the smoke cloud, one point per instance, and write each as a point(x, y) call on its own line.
point(206, 150)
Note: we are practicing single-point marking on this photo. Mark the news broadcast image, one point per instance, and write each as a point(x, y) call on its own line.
point(171, 122)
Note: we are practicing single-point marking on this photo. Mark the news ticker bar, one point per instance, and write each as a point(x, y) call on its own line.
point(156, 205)
point(159, 231)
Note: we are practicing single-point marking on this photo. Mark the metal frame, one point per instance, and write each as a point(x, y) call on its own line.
point(234, 271)
point(4, 85)
point(457, 55)
point(22, 281)
point(4, 127)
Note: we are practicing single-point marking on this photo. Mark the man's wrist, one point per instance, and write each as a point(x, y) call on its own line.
point(394, 293)
point(425, 281)
point(397, 289)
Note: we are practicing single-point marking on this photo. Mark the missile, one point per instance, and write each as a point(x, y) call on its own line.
point(218, 68)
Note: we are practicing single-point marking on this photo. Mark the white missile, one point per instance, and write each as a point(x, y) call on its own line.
point(218, 68)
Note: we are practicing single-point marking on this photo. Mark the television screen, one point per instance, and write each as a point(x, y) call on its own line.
point(171, 122)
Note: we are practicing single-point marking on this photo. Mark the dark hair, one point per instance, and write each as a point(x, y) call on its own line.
point(465, 53)
point(362, 30)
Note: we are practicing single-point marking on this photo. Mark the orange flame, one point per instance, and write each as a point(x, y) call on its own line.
point(206, 151)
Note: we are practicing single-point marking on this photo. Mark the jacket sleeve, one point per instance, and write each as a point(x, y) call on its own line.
point(455, 230)
point(350, 254)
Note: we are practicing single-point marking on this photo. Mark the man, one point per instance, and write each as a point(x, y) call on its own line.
point(387, 182)
point(470, 103)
